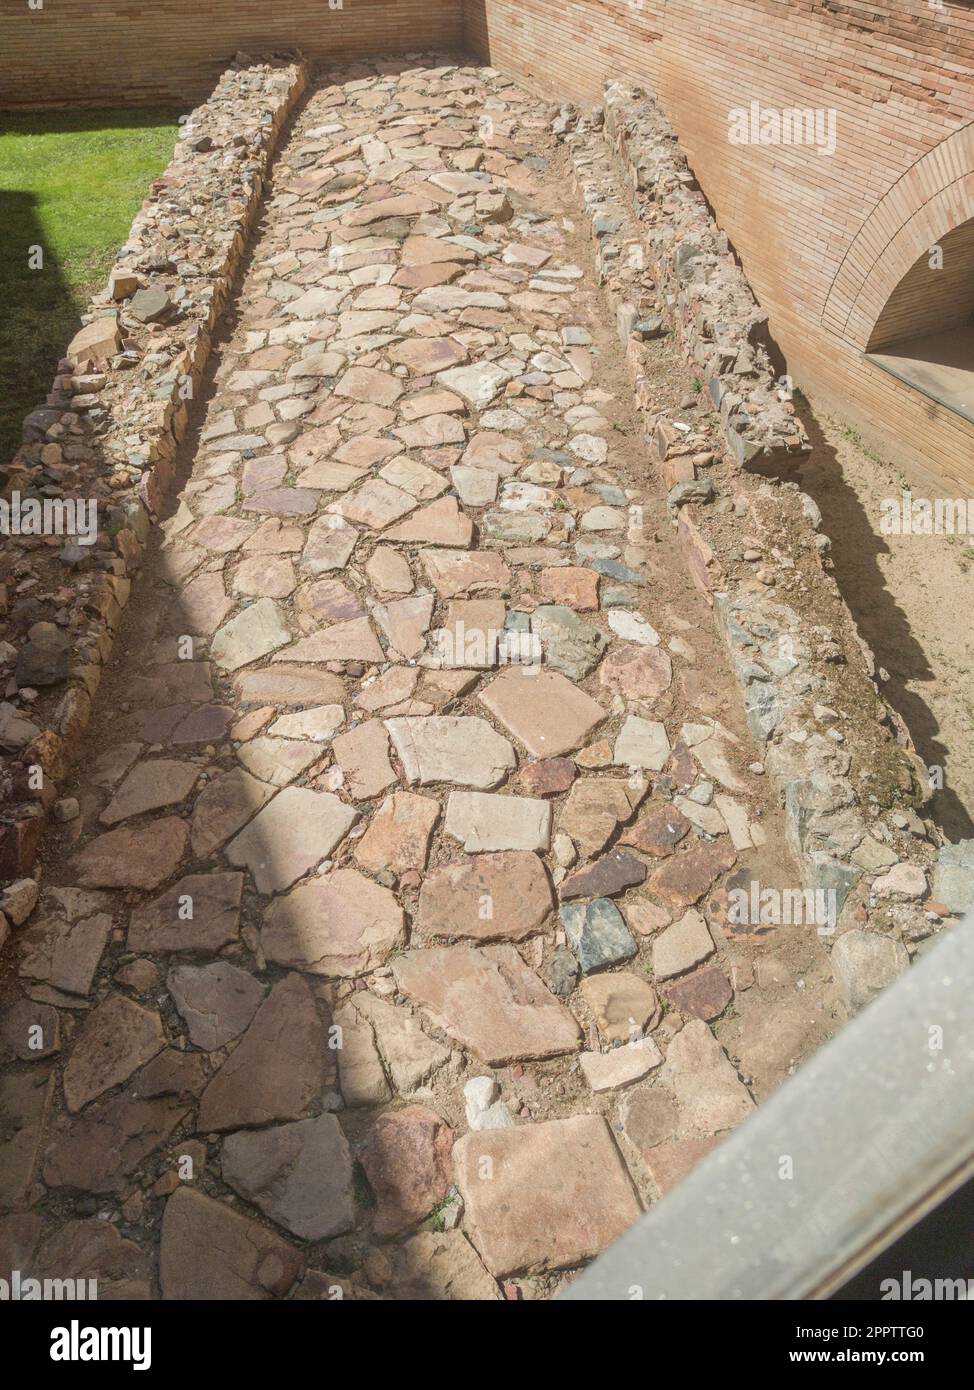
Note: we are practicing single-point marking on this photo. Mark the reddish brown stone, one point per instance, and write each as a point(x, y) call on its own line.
point(684, 879)
point(606, 877)
point(408, 1160)
point(548, 777)
point(658, 832)
point(639, 673)
point(668, 1164)
point(704, 994)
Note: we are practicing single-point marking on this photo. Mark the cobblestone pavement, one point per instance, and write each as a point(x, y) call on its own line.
point(389, 953)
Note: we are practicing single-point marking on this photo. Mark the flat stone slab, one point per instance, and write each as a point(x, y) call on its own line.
point(216, 1001)
point(118, 1037)
point(460, 749)
point(491, 897)
point(489, 1001)
point(520, 1224)
point(210, 1251)
point(278, 1067)
point(399, 834)
point(543, 710)
point(292, 834)
point(681, 946)
point(299, 1175)
point(441, 1266)
point(149, 787)
point(339, 925)
point(482, 821)
point(410, 1056)
point(595, 809)
point(126, 858)
point(709, 1093)
point(610, 1071)
point(199, 913)
point(254, 632)
point(683, 880)
point(110, 1141)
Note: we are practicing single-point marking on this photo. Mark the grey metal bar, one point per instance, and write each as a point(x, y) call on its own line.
point(879, 1126)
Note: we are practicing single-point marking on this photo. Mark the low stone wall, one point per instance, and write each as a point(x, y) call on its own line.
point(849, 778)
point(711, 305)
point(108, 434)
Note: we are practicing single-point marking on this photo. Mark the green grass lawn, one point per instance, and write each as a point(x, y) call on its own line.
point(70, 182)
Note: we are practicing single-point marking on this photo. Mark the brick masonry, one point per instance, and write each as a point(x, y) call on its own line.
point(108, 51)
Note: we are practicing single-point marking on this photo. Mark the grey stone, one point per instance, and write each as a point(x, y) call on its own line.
point(597, 934)
point(300, 1175)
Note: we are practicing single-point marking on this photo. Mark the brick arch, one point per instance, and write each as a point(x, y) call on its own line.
point(934, 196)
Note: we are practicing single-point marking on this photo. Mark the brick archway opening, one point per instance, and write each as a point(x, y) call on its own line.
point(924, 334)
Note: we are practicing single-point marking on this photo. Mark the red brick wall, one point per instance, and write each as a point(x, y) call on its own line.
point(142, 51)
point(824, 240)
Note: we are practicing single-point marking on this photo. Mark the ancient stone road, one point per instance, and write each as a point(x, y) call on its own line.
point(387, 951)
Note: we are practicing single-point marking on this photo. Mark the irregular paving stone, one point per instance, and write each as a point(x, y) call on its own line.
point(351, 641)
point(459, 749)
point(360, 1073)
point(277, 761)
point(490, 897)
point(597, 934)
point(149, 787)
point(105, 1146)
point(25, 1100)
point(255, 632)
point(439, 523)
point(133, 858)
point(408, 1161)
point(223, 807)
point(571, 645)
point(624, 1006)
point(638, 673)
point(410, 1056)
point(64, 954)
point(199, 913)
point(865, 964)
point(277, 1069)
point(518, 1224)
point(548, 777)
point(657, 832)
point(488, 1000)
point(542, 710)
point(405, 624)
point(595, 809)
point(295, 832)
point(683, 880)
point(209, 1251)
point(342, 924)
point(92, 1250)
point(465, 575)
point(681, 946)
point(708, 1091)
point(642, 743)
point(704, 994)
point(609, 1071)
point(441, 1266)
point(118, 1037)
point(603, 879)
point(297, 685)
point(495, 822)
point(216, 1001)
point(668, 1164)
point(363, 756)
point(399, 834)
point(29, 1030)
point(649, 1117)
point(300, 1175)
point(572, 586)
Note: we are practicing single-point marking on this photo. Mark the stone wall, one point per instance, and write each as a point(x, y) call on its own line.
point(174, 50)
point(824, 240)
point(110, 427)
